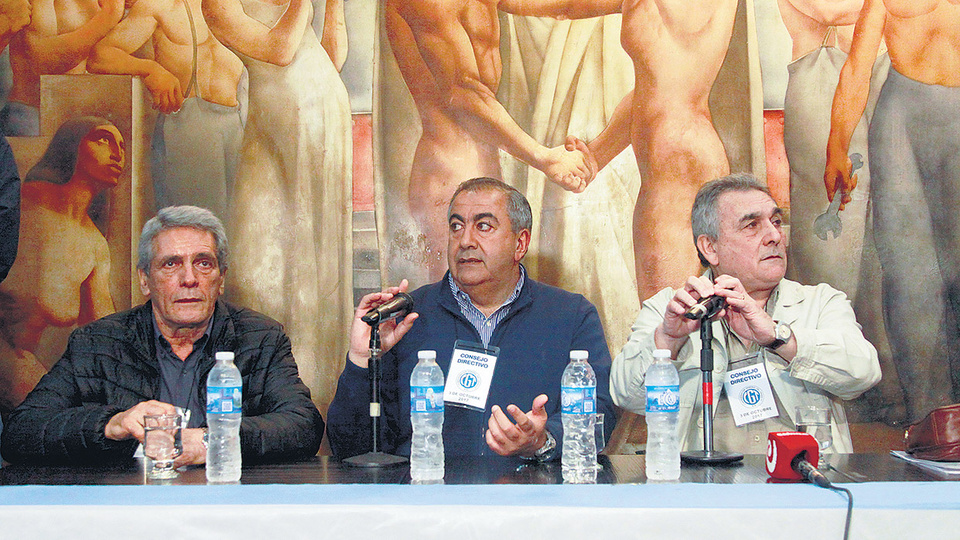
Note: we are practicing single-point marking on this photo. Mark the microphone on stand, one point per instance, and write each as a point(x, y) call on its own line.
point(398, 306)
point(706, 308)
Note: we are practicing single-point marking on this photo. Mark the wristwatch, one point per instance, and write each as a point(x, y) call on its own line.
point(782, 334)
point(206, 438)
point(543, 453)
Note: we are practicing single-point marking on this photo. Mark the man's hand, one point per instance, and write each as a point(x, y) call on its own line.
point(129, 423)
point(836, 176)
point(746, 316)
point(566, 168)
point(523, 438)
point(675, 328)
point(194, 452)
point(390, 331)
point(166, 91)
point(574, 144)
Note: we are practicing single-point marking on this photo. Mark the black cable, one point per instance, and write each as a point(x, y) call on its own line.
point(846, 527)
point(811, 474)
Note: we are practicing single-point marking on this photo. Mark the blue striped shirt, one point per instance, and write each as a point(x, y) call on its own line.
point(485, 325)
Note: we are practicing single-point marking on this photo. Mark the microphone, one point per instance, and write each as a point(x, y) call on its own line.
point(398, 306)
point(706, 308)
point(789, 454)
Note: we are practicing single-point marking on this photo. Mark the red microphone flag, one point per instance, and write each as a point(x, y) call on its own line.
point(783, 447)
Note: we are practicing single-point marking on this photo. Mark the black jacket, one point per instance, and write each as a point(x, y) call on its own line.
point(110, 365)
point(9, 208)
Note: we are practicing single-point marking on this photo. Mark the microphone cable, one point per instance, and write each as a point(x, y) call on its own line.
point(814, 476)
point(846, 526)
point(817, 478)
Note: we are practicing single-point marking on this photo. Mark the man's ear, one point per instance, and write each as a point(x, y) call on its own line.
point(708, 249)
point(523, 244)
point(144, 286)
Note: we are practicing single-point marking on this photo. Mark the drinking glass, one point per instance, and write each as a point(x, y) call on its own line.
point(162, 444)
point(816, 421)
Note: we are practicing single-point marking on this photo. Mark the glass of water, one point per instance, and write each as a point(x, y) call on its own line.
point(161, 444)
point(816, 421)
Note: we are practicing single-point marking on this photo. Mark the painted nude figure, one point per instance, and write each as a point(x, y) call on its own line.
point(61, 275)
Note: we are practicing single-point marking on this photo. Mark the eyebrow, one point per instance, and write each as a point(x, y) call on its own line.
point(777, 211)
point(476, 217)
point(100, 131)
point(203, 255)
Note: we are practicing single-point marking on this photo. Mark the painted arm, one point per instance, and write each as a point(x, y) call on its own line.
point(450, 58)
point(54, 53)
point(616, 136)
point(114, 55)
point(334, 38)
point(561, 9)
point(850, 99)
point(246, 35)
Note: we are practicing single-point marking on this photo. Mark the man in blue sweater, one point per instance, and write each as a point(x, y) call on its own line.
point(484, 305)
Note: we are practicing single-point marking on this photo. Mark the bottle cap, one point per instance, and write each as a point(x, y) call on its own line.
point(426, 355)
point(223, 355)
point(662, 353)
point(579, 355)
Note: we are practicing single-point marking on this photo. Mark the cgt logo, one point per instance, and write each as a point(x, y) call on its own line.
point(751, 396)
point(469, 380)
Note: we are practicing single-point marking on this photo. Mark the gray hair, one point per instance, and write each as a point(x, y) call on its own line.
point(705, 216)
point(173, 217)
point(518, 209)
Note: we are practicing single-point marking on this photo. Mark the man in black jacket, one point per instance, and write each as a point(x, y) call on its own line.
point(89, 408)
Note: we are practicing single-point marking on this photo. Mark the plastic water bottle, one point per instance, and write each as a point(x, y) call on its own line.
point(224, 403)
point(662, 385)
point(426, 416)
point(578, 394)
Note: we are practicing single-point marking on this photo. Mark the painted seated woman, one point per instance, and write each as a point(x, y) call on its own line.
point(60, 279)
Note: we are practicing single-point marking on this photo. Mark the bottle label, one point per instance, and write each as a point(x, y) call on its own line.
point(426, 399)
point(578, 400)
point(224, 399)
point(663, 399)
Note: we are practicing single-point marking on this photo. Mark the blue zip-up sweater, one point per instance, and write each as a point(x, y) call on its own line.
point(535, 339)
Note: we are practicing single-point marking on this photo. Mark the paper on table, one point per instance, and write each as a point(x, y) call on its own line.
point(945, 469)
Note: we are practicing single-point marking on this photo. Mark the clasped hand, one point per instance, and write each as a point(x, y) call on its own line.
point(745, 316)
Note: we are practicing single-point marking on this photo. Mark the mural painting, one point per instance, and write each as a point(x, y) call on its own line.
point(607, 114)
point(61, 275)
point(914, 172)
point(799, 89)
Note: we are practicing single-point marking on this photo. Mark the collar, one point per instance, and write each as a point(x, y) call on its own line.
point(203, 340)
point(442, 294)
point(140, 331)
point(459, 294)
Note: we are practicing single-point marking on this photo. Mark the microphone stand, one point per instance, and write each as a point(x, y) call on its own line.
point(375, 458)
point(708, 456)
